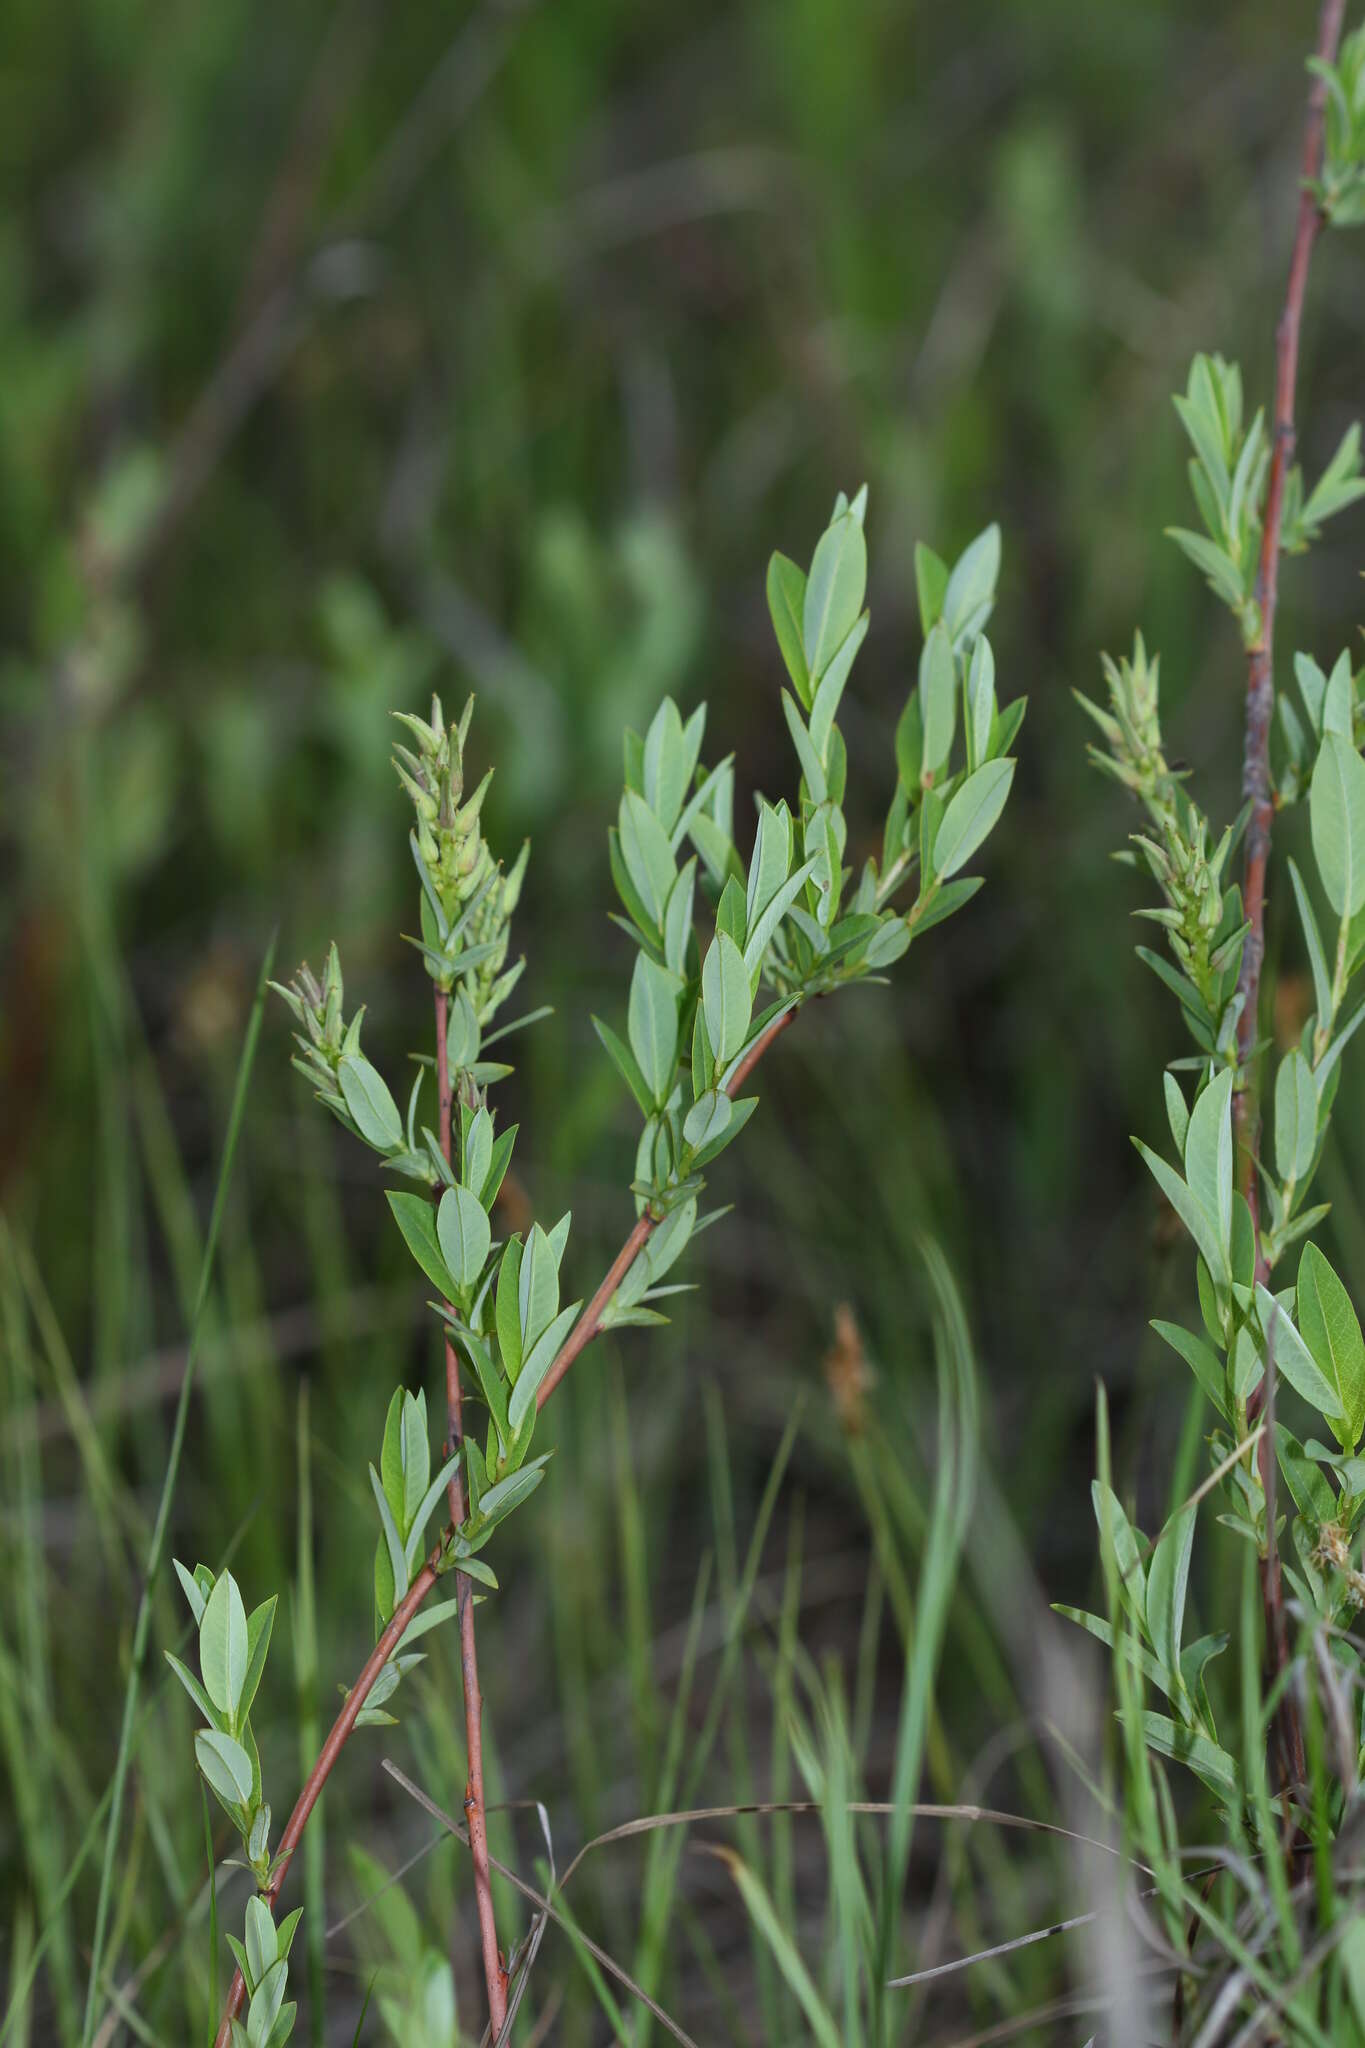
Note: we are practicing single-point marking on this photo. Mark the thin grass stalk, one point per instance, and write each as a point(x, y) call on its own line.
point(142, 1627)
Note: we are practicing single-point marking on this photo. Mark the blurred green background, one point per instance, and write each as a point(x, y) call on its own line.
point(348, 351)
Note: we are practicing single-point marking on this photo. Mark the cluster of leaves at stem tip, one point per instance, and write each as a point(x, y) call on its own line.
point(724, 950)
point(1305, 1329)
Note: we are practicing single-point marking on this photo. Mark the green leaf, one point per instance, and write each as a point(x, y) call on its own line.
point(286, 1930)
point(1337, 700)
point(373, 1110)
point(1322, 985)
point(726, 997)
point(771, 863)
point(259, 1626)
point(625, 888)
point(1307, 1482)
point(942, 902)
point(786, 603)
point(709, 807)
point(1203, 1227)
point(192, 1590)
point(1294, 1362)
point(478, 1151)
point(1212, 1765)
point(831, 688)
point(1336, 812)
point(537, 1288)
point(812, 772)
point(1202, 1360)
point(678, 917)
point(970, 595)
point(937, 698)
point(1167, 1579)
point(225, 1764)
point(652, 1024)
point(509, 1493)
point(391, 1451)
point(887, 944)
point(910, 747)
point(979, 699)
point(262, 1942)
point(707, 1120)
point(1177, 1111)
point(422, 1513)
point(667, 764)
point(498, 1162)
point(834, 592)
point(507, 1312)
point(416, 1460)
point(195, 1690)
point(1137, 1655)
point(1312, 688)
point(623, 1059)
point(538, 1361)
point(265, 2005)
point(464, 1234)
point(1208, 1157)
point(761, 936)
point(398, 1563)
point(1296, 1117)
point(931, 582)
point(223, 1645)
point(1331, 1330)
point(1109, 1515)
point(417, 1221)
point(1218, 567)
point(647, 855)
point(971, 815)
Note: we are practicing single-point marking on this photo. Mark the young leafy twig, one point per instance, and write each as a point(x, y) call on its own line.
point(1256, 784)
point(495, 1977)
point(331, 1749)
point(579, 1338)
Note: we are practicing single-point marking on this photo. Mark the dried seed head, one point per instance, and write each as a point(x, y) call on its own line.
point(848, 1375)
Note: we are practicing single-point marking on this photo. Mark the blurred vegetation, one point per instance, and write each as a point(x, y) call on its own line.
point(346, 352)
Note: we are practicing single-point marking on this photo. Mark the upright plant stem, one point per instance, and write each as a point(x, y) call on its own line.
point(1256, 787)
point(476, 1819)
point(1260, 673)
point(581, 1335)
point(143, 1624)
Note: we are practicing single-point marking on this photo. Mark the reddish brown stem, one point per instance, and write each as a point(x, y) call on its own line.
point(584, 1330)
point(1260, 677)
point(590, 1322)
point(495, 1976)
point(327, 1756)
point(1256, 787)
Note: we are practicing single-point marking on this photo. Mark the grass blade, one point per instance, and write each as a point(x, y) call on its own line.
point(142, 1628)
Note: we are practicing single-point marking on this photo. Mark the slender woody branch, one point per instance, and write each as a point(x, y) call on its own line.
point(1256, 786)
point(495, 1976)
